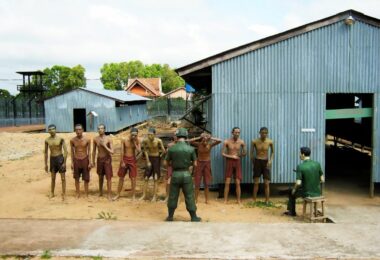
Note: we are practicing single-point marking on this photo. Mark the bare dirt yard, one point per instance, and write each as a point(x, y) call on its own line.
point(24, 187)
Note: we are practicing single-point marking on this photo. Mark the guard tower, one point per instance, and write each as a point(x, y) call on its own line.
point(32, 88)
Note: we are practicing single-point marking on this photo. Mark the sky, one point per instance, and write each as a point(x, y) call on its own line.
point(36, 34)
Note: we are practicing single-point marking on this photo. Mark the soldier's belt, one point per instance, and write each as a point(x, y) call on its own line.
point(181, 169)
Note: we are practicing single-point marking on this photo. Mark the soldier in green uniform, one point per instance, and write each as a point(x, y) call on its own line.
point(308, 181)
point(180, 157)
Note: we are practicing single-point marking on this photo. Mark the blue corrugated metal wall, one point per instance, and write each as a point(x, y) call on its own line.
point(59, 111)
point(283, 86)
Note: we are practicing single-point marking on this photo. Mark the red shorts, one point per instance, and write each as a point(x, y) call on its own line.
point(104, 167)
point(81, 168)
point(169, 172)
point(233, 166)
point(130, 166)
point(203, 169)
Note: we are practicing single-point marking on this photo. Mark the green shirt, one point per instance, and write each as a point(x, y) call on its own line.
point(310, 172)
point(181, 156)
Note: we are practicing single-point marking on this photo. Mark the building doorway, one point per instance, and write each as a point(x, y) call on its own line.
point(79, 115)
point(348, 153)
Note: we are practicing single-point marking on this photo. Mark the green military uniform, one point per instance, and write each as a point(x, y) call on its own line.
point(309, 173)
point(181, 156)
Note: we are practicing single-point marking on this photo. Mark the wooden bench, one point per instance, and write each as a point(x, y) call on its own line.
point(315, 214)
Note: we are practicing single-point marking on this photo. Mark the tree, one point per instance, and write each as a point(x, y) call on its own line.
point(5, 93)
point(115, 75)
point(59, 79)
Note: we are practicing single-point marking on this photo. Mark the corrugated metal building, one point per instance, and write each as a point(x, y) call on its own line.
point(285, 82)
point(90, 107)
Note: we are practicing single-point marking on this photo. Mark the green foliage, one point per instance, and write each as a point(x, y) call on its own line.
point(261, 204)
point(98, 257)
point(106, 216)
point(46, 254)
point(115, 75)
point(59, 79)
point(5, 93)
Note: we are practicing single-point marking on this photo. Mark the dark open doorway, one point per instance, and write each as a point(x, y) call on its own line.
point(349, 142)
point(79, 115)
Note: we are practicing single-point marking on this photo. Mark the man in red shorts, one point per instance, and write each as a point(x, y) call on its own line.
point(233, 150)
point(80, 163)
point(203, 169)
point(103, 144)
point(129, 147)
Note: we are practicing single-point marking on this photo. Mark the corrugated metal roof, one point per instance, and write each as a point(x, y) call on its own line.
point(241, 50)
point(120, 95)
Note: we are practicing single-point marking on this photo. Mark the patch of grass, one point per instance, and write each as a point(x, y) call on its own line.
point(261, 204)
point(46, 254)
point(106, 216)
point(98, 257)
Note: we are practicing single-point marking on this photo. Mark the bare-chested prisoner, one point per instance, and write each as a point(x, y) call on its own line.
point(203, 169)
point(233, 150)
point(104, 145)
point(261, 161)
point(57, 159)
point(153, 149)
point(128, 162)
point(169, 168)
point(80, 162)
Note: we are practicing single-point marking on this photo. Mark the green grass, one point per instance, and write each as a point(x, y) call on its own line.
point(261, 204)
point(46, 254)
point(97, 257)
point(106, 216)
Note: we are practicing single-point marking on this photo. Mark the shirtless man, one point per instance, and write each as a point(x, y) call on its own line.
point(169, 169)
point(153, 150)
point(233, 150)
point(203, 168)
point(57, 159)
point(129, 147)
point(103, 144)
point(261, 161)
point(80, 162)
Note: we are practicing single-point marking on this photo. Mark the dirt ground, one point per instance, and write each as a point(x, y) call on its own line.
point(25, 188)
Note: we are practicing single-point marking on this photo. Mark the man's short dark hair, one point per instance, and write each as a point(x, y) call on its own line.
point(52, 126)
point(233, 129)
point(102, 125)
point(264, 128)
point(134, 130)
point(152, 130)
point(78, 125)
point(305, 151)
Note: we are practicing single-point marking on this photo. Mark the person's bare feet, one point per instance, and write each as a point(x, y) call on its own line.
point(78, 195)
point(239, 202)
point(225, 202)
point(154, 199)
point(101, 194)
point(133, 198)
point(142, 197)
point(109, 197)
point(63, 197)
point(116, 197)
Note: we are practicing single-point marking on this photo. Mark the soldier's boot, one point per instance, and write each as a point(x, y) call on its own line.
point(170, 214)
point(194, 217)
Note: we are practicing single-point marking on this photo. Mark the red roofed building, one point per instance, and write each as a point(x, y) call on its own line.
point(146, 87)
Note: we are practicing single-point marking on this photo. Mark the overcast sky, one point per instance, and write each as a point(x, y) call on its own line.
point(39, 34)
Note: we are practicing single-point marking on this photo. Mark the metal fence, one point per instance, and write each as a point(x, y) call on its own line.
point(20, 111)
point(173, 107)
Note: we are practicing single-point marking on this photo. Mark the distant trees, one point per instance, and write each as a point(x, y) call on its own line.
point(59, 79)
point(5, 93)
point(115, 75)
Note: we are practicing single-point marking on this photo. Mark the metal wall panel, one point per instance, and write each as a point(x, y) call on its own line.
point(333, 59)
point(284, 114)
point(283, 86)
point(59, 111)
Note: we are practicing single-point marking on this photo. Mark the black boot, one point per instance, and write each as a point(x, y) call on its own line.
point(194, 217)
point(170, 214)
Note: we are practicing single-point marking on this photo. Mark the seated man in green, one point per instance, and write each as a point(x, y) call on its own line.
point(309, 178)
